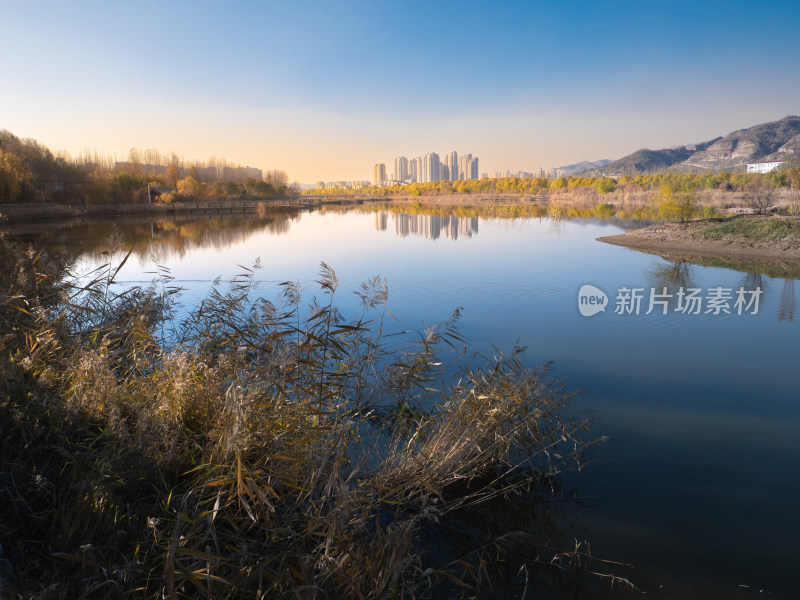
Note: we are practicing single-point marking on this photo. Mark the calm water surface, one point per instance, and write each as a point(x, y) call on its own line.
point(698, 486)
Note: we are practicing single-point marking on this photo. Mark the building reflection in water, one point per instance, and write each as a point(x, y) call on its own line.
point(381, 220)
point(429, 226)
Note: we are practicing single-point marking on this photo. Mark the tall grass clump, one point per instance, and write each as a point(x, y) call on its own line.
point(254, 450)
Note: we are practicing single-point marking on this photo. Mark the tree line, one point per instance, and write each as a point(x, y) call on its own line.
point(723, 181)
point(31, 172)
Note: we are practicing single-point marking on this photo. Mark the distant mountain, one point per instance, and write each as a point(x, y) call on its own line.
point(584, 166)
point(646, 161)
point(790, 149)
point(777, 140)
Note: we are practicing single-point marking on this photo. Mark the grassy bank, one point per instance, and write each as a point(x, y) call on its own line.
point(771, 229)
point(253, 449)
point(768, 244)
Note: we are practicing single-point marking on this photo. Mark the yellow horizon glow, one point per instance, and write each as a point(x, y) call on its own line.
point(313, 145)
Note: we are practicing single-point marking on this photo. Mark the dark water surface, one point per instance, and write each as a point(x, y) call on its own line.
point(698, 486)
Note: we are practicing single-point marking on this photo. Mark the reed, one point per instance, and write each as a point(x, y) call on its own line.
point(253, 449)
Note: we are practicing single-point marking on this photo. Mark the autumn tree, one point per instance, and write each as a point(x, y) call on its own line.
point(134, 161)
point(12, 177)
point(256, 187)
point(172, 175)
point(233, 189)
point(604, 185)
point(189, 186)
point(675, 203)
point(151, 157)
point(277, 178)
point(218, 188)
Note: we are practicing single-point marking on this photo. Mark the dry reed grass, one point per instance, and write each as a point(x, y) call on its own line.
point(250, 451)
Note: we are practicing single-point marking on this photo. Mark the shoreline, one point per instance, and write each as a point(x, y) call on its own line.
point(697, 241)
point(30, 212)
point(625, 202)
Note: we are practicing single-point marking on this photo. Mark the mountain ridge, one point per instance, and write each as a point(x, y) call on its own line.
point(772, 141)
point(584, 166)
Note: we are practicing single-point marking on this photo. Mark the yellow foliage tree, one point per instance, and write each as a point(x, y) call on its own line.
point(172, 174)
point(675, 204)
point(189, 186)
point(13, 175)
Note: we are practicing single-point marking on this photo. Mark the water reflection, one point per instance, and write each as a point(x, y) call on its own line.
point(162, 239)
point(672, 276)
point(787, 304)
point(525, 549)
point(428, 226)
point(679, 274)
point(753, 281)
point(165, 238)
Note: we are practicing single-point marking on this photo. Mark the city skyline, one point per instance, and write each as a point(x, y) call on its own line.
point(427, 168)
point(281, 86)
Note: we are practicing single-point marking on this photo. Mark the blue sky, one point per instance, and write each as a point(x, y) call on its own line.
point(326, 89)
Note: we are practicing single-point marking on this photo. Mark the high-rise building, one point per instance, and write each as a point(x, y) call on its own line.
point(423, 175)
point(401, 169)
point(451, 160)
point(463, 166)
point(429, 168)
point(473, 168)
point(468, 167)
point(432, 166)
point(379, 174)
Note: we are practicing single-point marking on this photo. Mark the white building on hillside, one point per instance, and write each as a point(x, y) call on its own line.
point(763, 167)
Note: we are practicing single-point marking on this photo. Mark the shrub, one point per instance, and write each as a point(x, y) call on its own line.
point(604, 185)
point(759, 197)
point(675, 204)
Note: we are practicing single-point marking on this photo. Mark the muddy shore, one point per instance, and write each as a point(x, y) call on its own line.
point(744, 242)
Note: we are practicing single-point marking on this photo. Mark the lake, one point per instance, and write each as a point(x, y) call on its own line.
point(695, 487)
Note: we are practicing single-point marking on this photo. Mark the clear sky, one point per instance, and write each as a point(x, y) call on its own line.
point(324, 90)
